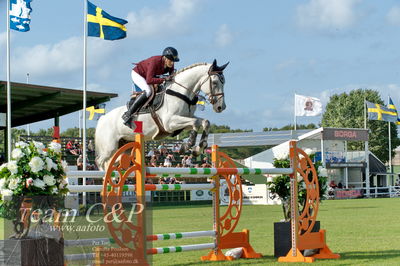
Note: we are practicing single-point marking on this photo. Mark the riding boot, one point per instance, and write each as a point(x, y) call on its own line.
point(127, 116)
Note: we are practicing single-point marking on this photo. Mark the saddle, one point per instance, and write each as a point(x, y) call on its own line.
point(153, 103)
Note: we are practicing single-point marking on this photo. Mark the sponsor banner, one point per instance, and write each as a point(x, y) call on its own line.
point(255, 195)
point(200, 194)
point(348, 194)
point(349, 165)
point(345, 134)
point(130, 196)
point(252, 195)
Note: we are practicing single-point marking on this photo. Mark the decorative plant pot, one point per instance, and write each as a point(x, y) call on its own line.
point(282, 237)
point(32, 252)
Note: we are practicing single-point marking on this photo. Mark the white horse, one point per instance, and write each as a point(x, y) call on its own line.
point(175, 114)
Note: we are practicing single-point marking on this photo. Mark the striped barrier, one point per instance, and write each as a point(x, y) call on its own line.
point(127, 163)
point(148, 187)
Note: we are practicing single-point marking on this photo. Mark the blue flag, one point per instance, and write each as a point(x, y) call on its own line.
point(103, 25)
point(20, 11)
point(393, 108)
point(380, 112)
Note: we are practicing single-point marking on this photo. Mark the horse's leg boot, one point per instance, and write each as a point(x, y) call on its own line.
point(127, 116)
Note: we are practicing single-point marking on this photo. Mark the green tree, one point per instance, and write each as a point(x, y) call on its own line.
point(291, 127)
point(347, 111)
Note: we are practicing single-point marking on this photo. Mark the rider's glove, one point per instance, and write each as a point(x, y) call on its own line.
point(169, 78)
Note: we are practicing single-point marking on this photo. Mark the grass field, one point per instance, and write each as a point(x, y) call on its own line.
point(363, 232)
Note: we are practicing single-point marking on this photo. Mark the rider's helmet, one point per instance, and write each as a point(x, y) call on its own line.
point(171, 53)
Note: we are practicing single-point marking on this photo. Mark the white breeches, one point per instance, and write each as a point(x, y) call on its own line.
point(141, 83)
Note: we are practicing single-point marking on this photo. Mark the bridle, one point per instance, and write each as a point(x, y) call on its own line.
point(212, 97)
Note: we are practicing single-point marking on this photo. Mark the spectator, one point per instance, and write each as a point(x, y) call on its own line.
point(168, 160)
point(153, 161)
point(205, 163)
point(79, 162)
point(176, 148)
point(162, 149)
point(150, 153)
point(90, 146)
point(340, 185)
point(184, 161)
point(332, 184)
point(188, 161)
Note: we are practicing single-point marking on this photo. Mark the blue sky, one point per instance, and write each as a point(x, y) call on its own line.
point(275, 48)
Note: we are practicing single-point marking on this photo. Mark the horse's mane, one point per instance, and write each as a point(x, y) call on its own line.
point(189, 67)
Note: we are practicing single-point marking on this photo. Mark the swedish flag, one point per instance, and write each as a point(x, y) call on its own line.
point(380, 112)
point(103, 25)
point(393, 108)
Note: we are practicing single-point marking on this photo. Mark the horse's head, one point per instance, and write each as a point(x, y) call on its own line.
point(213, 86)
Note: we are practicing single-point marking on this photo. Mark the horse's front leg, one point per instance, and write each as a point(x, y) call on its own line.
point(194, 124)
point(204, 136)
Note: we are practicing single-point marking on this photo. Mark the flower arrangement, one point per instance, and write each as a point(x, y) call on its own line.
point(33, 170)
point(280, 186)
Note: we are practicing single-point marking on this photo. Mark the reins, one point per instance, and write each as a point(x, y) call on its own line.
point(211, 96)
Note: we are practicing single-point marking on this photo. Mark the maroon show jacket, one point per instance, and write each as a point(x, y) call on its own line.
point(152, 67)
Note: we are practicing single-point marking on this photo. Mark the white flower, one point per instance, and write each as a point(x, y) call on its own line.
point(54, 190)
point(50, 164)
point(56, 147)
point(13, 183)
point(49, 180)
point(39, 183)
point(322, 171)
point(17, 153)
point(2, 183)
point(6, 194)
point(64, 165)
point(21, 144)
point(38, 145)
point(63, 183)
point(13, 167)
point(36, 164)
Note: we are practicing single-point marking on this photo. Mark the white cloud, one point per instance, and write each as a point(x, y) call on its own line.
point(223, 36)
point(149, 23)
point(327, 14)
point(63, 57)
point(393, 16)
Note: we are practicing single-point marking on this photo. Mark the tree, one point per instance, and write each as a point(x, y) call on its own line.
point(347, 111)
point(291, 127)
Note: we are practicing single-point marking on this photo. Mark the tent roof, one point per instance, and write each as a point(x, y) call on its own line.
point(32, 103)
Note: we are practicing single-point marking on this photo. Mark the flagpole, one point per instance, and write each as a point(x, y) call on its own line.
point(84, 84)
point(84, 96)
point(365, 113)
point(8, 86)
point(295, 122)
point(390, 143)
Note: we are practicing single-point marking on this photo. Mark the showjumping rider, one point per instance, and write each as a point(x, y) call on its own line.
point(145, 74)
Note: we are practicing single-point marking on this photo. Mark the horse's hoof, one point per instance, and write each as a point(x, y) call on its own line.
point(182, 149)
point(196, 151)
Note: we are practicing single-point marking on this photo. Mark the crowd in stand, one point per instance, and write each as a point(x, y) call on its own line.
point(75, 148)
point(162, 156)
